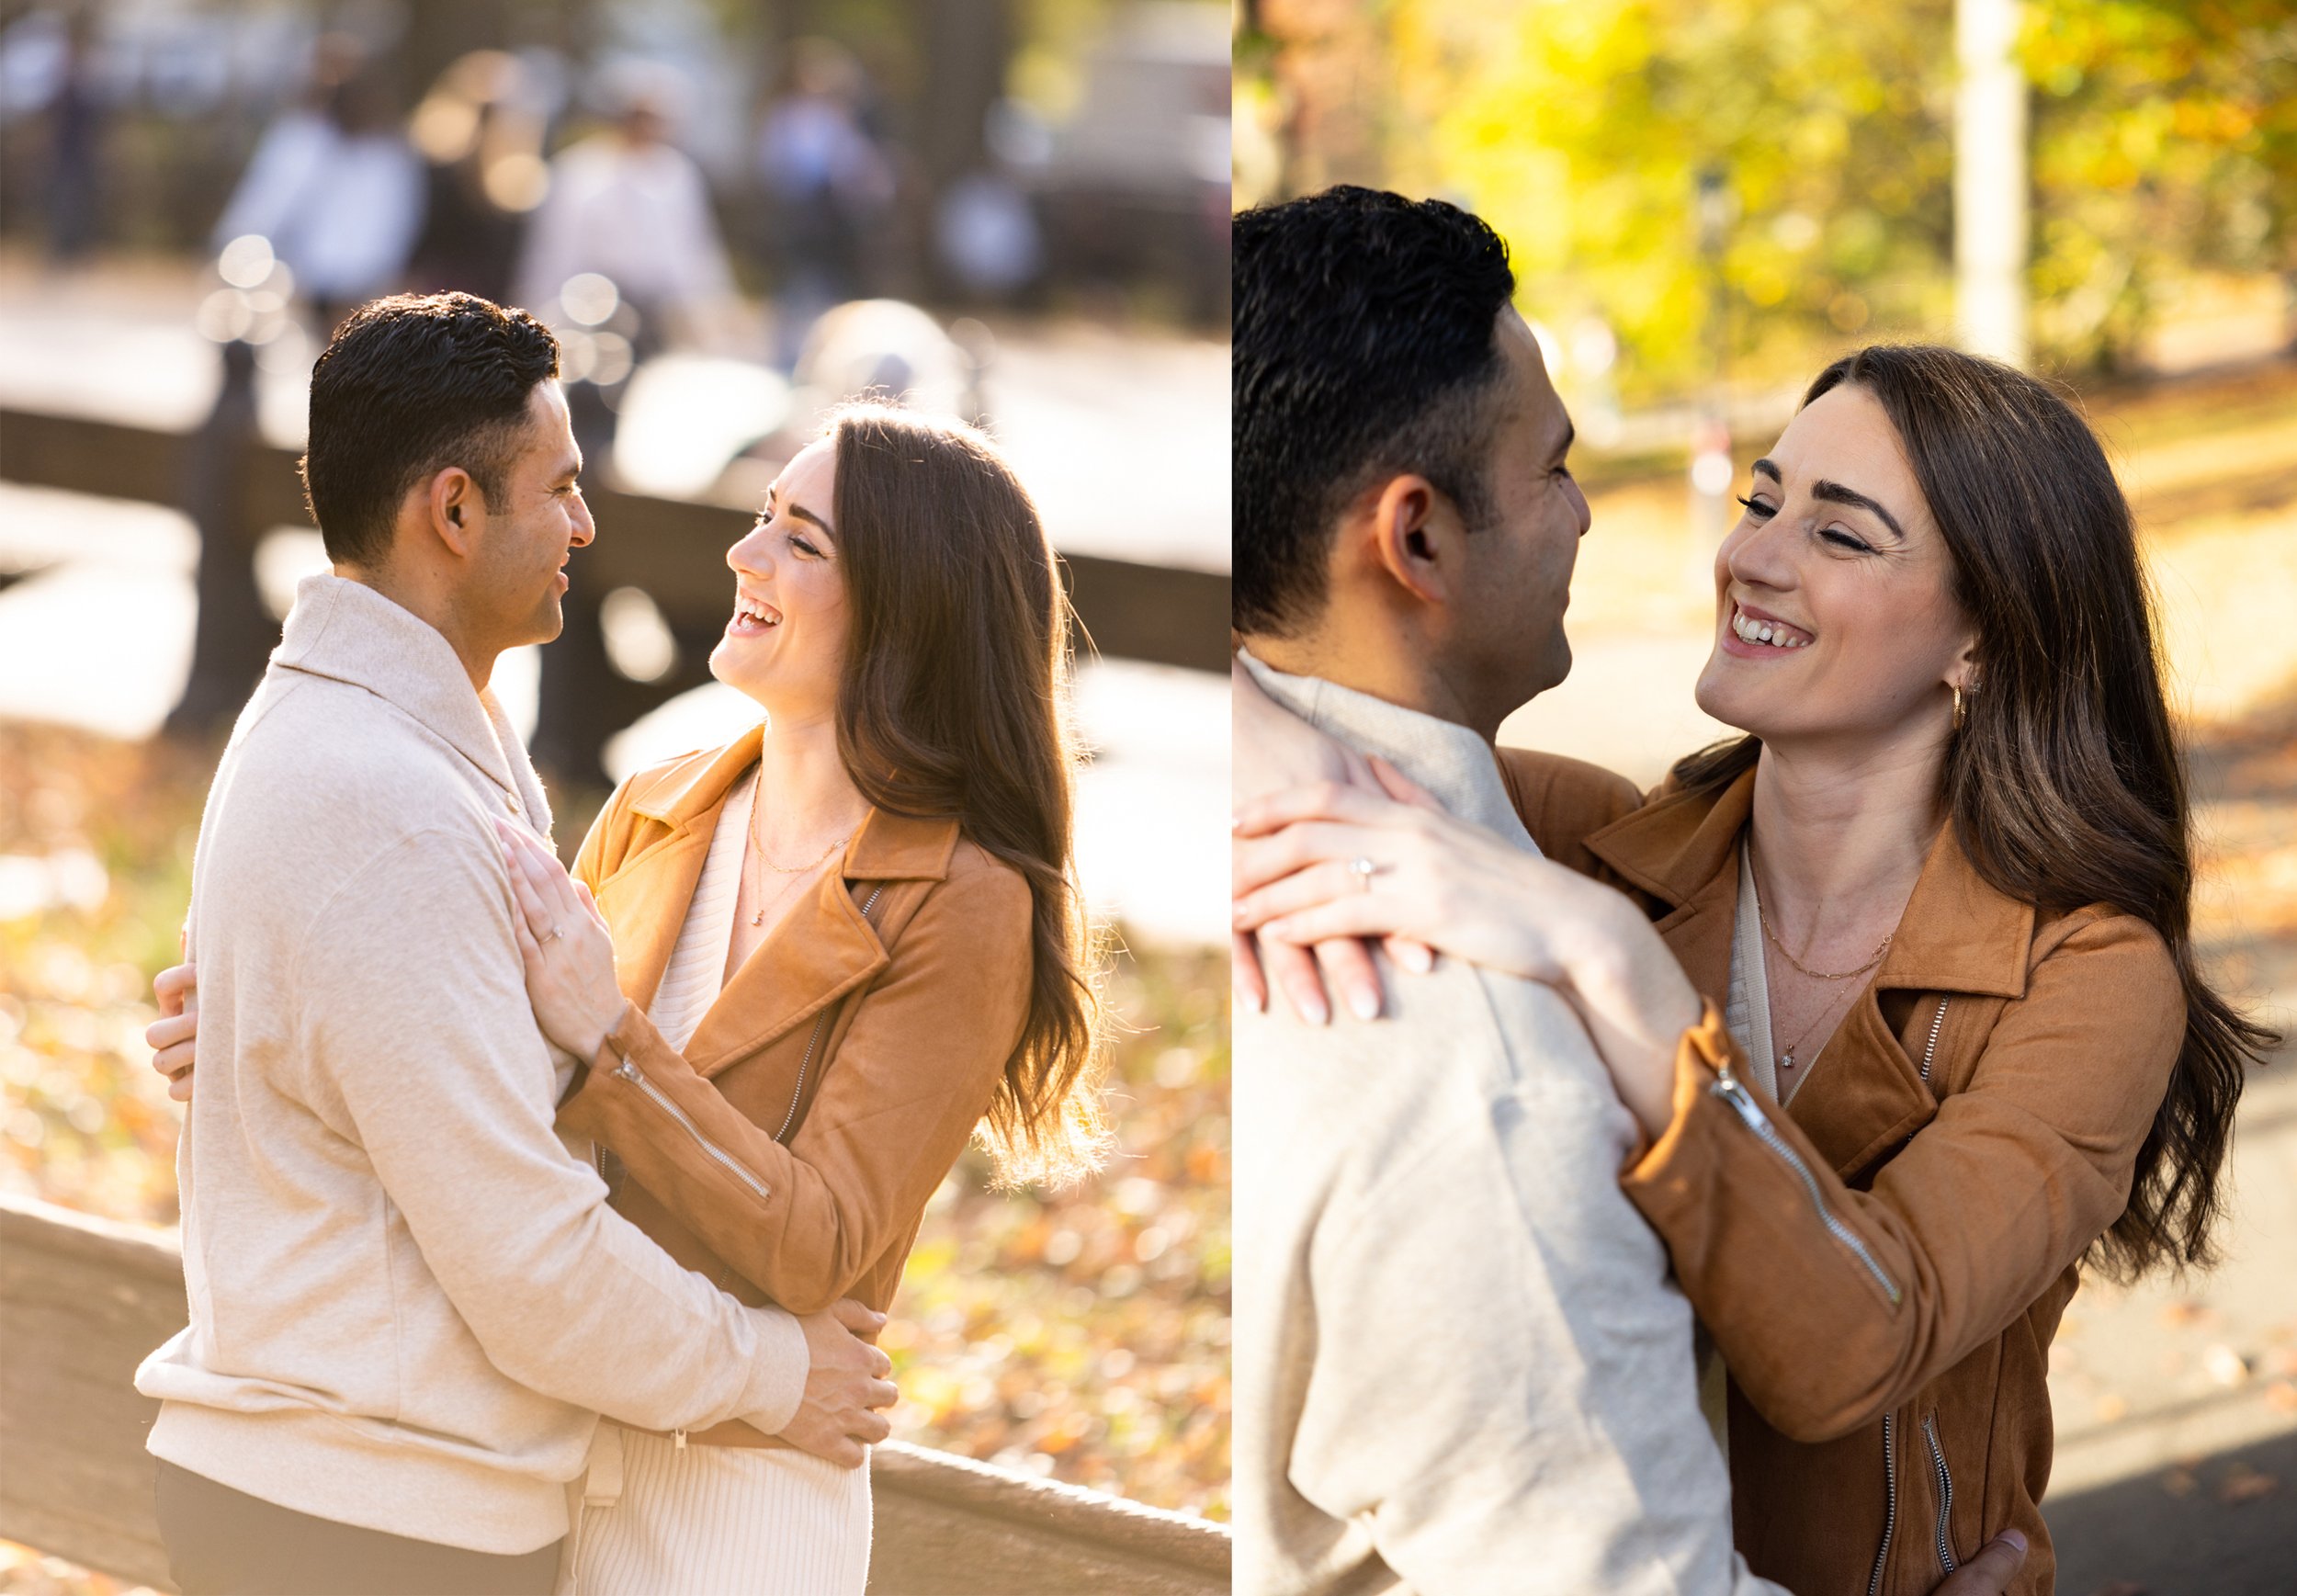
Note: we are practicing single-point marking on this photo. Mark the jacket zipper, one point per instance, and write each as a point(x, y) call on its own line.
point(1890, 1504)
point(1728, 1088)
point(1945, 1493)
point(629, 1071)
point(797, 1094)
point(1930, 1051)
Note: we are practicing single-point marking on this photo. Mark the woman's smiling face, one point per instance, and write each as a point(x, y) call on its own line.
point(785, 644)
point(1835, 619)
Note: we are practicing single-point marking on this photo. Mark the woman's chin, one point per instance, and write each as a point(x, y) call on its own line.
point(1717, 697)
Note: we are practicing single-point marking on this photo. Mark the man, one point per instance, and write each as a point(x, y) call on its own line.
point(409, 1300)
point(1461, 1365)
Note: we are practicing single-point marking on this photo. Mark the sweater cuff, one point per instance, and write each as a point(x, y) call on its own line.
point(778, 1375)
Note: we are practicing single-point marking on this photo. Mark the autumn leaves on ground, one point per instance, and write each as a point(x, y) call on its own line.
point(1081, 1333)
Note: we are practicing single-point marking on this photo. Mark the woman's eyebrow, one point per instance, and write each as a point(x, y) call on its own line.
point(805, 515)
point(1835, 493)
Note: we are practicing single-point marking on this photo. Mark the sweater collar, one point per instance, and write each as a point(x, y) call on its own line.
point(347, 632)
point(1448, 759)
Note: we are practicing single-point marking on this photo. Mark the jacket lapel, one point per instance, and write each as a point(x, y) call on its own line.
point(1958, 935)
point(646, 896)
point(825, 947)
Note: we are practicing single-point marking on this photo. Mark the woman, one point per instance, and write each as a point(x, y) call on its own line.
point(823, 956)
point(1942, 889)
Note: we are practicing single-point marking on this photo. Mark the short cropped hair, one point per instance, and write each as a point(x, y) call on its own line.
point(409, 386)
point(1363, 348)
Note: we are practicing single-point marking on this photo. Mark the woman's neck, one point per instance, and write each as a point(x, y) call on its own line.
point(1839, 837)
point(806, 796)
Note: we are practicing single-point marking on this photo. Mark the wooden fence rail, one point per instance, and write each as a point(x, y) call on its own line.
point(83, 1299)
point(236, 486)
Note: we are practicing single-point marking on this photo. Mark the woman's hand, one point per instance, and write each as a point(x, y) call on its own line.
point(563, 939)
point(1274, 750)
point(1299, 859)
point(172, 1035)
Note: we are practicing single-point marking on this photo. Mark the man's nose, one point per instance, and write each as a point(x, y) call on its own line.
point(585, 529)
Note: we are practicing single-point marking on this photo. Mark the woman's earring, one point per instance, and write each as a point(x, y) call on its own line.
point(1961, 713)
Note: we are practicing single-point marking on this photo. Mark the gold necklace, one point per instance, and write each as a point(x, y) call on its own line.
point(1819, 975)
point(1786, 1059)
point(757, 848)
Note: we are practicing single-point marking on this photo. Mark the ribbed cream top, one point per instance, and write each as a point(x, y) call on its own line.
point(696, 971)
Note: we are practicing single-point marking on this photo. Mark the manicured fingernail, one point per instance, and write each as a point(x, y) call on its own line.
point(1419, 958)
point(1237, 915)
point(1365, 1003)
point(1315, 1012)
point(2014, 1538)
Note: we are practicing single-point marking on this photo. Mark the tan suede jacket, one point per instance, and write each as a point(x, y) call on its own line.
point(1882, 1264)
point(788, 1153)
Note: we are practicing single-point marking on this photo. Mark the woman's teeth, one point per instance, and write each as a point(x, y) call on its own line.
point(756, 615)
point(1751, 631)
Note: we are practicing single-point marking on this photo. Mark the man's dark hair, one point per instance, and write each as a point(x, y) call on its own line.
point(1363, 349)
point(409, 386)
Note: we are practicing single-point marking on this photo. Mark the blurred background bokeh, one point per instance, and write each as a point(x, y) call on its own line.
point(1705, 201)
point(733, 214)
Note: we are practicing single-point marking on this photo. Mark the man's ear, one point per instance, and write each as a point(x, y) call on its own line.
point(1410, 538)
point(454, 508)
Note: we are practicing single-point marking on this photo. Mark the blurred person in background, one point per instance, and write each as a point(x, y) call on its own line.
point(629, 206)
point(334, 186)
point(75, 192)
point(805, 967)
point(480, 132)
point(829, 186)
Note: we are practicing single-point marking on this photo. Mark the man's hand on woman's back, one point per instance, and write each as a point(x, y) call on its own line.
point(845, 1385)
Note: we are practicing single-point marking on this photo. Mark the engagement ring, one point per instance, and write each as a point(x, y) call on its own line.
point(1364, 869)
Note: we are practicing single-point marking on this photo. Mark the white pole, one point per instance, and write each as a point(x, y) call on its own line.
point(1990, 164)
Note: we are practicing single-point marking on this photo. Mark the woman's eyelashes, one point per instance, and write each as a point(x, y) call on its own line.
point(1763, 510)
point(798, 541)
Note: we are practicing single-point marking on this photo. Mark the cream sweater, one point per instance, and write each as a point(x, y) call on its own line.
point(1461, 1365)
point(409, 1300)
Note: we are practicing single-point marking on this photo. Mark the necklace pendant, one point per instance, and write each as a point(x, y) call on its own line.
point(1787, 1061)
point(759, 917)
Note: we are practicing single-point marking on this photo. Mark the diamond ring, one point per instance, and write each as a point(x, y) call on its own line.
point(1363, 869)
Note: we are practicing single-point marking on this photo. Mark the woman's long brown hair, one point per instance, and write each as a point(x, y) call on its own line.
point(2065, 783)
point(955, 702)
